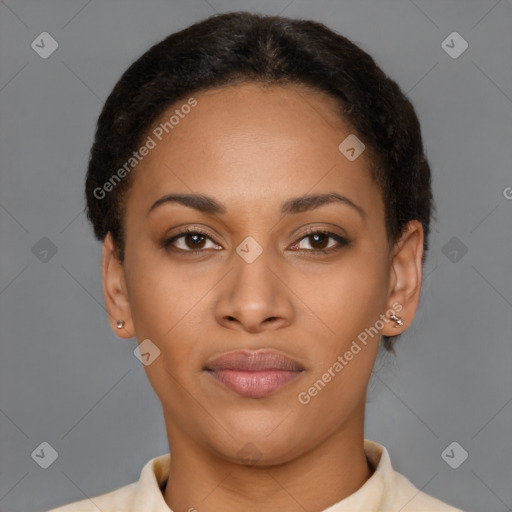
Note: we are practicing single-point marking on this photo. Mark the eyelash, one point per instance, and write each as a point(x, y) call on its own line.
point(342, 242)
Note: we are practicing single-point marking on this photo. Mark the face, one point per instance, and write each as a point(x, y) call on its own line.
point(268, 292)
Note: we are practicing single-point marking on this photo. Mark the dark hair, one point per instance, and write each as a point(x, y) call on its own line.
point(231, 48)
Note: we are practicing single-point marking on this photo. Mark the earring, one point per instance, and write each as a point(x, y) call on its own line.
point(397, 319)
point(120, 324)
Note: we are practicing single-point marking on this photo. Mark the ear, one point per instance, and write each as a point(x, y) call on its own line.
point(405, 278)
point(115, 290)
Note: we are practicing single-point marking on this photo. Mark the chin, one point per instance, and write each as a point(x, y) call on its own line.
point(261, 444)
point(258, 454)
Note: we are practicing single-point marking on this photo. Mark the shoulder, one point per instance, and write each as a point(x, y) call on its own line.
point(411, 499)
point(145, 494)
point(114, 501)
point(393, 490)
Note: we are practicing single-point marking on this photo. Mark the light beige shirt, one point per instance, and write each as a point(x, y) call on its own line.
point(385, 491)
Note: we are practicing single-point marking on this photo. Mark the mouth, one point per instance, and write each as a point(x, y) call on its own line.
point(253, 374)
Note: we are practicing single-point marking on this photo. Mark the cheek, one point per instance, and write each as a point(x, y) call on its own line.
point(347, 309)
point(167, 306)
point(333, 394)
point(348, 298)
point(347, 304)
point(158, 294)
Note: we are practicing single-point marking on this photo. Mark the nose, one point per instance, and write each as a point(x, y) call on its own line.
point(254, 296)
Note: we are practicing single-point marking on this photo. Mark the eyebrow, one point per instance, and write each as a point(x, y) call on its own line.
point(206, 204)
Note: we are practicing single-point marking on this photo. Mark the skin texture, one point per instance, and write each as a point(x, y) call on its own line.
point(252, 148)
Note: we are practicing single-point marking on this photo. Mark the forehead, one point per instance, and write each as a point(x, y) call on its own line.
point(247, 144)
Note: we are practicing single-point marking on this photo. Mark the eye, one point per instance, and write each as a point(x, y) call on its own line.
point(193, 240)
point(317, 239)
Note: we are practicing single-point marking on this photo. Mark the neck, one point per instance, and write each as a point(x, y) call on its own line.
point(313, 481)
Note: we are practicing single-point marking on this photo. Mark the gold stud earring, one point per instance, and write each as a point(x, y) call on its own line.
point(397, 319)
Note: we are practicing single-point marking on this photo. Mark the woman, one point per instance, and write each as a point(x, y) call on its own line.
point(263, 198)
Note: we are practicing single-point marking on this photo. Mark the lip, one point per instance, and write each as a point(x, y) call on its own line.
point(253, 374)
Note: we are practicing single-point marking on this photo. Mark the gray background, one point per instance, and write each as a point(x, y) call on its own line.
point(67, 380)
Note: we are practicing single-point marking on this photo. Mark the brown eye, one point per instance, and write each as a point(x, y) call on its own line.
point(193, 241)
point(196, 240)
point(318, 241)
